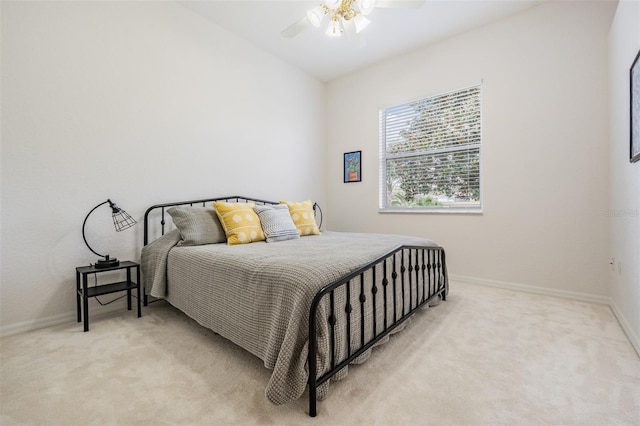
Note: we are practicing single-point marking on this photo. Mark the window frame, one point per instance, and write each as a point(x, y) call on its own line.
point(383, 157)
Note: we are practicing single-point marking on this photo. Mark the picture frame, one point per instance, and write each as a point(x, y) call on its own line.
point(353, 166)
point(634, 110)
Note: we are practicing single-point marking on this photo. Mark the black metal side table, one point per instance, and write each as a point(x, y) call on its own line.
point(84, 292)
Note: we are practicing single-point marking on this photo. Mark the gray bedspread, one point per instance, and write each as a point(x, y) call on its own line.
point(258, 295)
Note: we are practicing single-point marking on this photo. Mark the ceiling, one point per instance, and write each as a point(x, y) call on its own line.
point(392, 31)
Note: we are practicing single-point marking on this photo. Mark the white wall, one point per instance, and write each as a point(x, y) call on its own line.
point(142, 102)
point(544, 154)
point(624, 221)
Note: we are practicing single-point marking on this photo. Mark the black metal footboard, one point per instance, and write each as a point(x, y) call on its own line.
point(364, 307)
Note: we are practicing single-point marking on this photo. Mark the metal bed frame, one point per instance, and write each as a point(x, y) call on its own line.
point(420, 279)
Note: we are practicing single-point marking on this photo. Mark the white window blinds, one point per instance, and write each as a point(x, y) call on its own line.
point(430, 153)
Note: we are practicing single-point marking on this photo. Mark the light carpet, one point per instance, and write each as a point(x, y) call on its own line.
point(486, 356)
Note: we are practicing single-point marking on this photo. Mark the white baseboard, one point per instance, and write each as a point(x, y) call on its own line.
point(633, 338)
point(24, 326)
point(573, 295)
point(65, 318)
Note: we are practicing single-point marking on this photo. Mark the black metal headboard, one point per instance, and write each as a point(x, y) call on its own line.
point(203, 202)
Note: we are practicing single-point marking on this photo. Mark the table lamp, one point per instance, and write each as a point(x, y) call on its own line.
point(121, 221)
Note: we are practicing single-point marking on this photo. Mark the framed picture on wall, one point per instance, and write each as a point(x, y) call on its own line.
point(634, 152)
point(352, 166)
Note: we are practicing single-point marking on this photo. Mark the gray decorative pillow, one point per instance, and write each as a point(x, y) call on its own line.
point(277, 223)
point(197, 225)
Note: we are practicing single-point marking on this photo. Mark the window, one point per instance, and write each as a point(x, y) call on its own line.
point(430, 153)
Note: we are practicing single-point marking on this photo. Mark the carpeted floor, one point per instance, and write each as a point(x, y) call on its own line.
point(486, 356)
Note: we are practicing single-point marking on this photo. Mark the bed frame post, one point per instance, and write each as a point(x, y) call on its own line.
point(312, 359)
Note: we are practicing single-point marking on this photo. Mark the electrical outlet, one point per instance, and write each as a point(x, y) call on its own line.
point(612, 264)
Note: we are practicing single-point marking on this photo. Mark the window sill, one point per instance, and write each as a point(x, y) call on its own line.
point(442, 210)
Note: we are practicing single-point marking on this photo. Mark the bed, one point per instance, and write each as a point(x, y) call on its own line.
point(308, 307)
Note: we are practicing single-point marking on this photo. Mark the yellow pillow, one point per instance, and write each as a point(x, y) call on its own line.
point(240, 223)
point(303, 217)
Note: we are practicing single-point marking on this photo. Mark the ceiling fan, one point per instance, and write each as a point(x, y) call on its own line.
point(348, 16)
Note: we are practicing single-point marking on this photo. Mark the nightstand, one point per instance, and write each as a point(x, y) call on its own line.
point(84, 292)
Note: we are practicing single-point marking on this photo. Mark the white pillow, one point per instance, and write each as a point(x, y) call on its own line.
point(276, 222)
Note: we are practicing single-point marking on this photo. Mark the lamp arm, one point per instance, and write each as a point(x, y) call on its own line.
point(83, 226)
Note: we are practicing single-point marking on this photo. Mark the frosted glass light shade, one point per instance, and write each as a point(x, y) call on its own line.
point(334, 28)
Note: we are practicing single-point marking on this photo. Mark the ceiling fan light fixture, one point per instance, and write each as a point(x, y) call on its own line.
point(345, 16)
point(315, 16)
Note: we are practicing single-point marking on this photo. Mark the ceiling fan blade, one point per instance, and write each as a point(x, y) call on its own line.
point(405, 4)
point(296, 28)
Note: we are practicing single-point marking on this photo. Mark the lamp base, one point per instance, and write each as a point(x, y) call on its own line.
point(106, 263)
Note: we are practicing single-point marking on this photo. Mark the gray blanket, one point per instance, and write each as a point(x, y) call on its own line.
point(258, 295)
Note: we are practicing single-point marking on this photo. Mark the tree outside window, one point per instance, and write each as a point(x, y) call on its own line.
point(431, 153)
